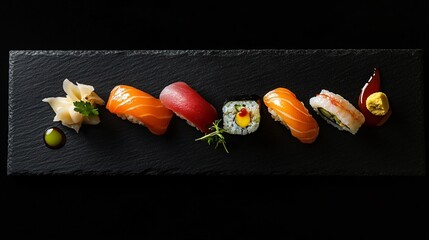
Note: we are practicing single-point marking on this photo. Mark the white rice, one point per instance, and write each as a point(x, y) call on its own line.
point(130, 118)
point(188, 122)
point(229, 113)
point(136, 121)
point(277, 117)
point(346, 112)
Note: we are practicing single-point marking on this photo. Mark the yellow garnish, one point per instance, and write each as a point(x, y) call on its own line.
point(242, 121)
point(378, 104)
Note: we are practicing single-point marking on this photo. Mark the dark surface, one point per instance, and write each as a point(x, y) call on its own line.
point(220, 207)
point(118, 147)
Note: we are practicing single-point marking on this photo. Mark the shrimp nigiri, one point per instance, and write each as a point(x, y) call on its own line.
point(286, 108)
point(140, 108)
point(337, 111)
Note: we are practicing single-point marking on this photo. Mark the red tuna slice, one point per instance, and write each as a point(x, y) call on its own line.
point(186, 103)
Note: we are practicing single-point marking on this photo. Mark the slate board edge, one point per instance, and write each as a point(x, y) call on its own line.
point(172, 173)
point(209, 52)
point(10, 92)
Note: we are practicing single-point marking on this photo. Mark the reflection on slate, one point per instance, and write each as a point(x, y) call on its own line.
point(116, 146)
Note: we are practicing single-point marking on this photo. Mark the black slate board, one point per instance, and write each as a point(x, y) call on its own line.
point(119, 147)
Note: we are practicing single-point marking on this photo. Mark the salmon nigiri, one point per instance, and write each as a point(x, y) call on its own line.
point(286, 108)
point(140, 108)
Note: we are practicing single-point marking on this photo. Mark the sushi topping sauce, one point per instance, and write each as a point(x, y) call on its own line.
point(243, 112)
point(242, 118)
point(373, 103)
point(54, 138)
point(215, 136)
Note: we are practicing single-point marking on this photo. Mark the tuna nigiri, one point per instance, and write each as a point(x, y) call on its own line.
point(140, 108)
point(286, 108)
point(186, 103)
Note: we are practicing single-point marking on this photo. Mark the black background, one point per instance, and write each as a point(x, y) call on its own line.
point(212, 207)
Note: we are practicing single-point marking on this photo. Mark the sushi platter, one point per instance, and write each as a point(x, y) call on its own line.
point(350, 112)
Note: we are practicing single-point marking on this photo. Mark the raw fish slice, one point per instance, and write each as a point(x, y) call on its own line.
point(286, 108)
point(186, 103)
point(140, 108)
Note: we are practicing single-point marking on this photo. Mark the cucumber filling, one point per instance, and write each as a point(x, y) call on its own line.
point(331, 117)
point(238, 107)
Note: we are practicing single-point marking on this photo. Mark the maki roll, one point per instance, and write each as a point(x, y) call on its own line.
point(241, 114)
point(337, 111)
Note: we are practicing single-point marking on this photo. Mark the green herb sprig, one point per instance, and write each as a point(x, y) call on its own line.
point(85, 108)
point(215, 136)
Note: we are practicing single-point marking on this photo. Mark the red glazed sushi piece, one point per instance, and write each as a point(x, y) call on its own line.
point(186, 103)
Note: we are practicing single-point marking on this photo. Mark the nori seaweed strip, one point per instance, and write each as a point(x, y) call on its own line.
point(331, 117)
point(252, 97)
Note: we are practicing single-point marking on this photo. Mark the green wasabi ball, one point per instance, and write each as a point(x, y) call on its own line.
point(54, 138)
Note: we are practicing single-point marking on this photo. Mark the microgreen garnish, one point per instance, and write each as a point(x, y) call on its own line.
point(215, 136)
